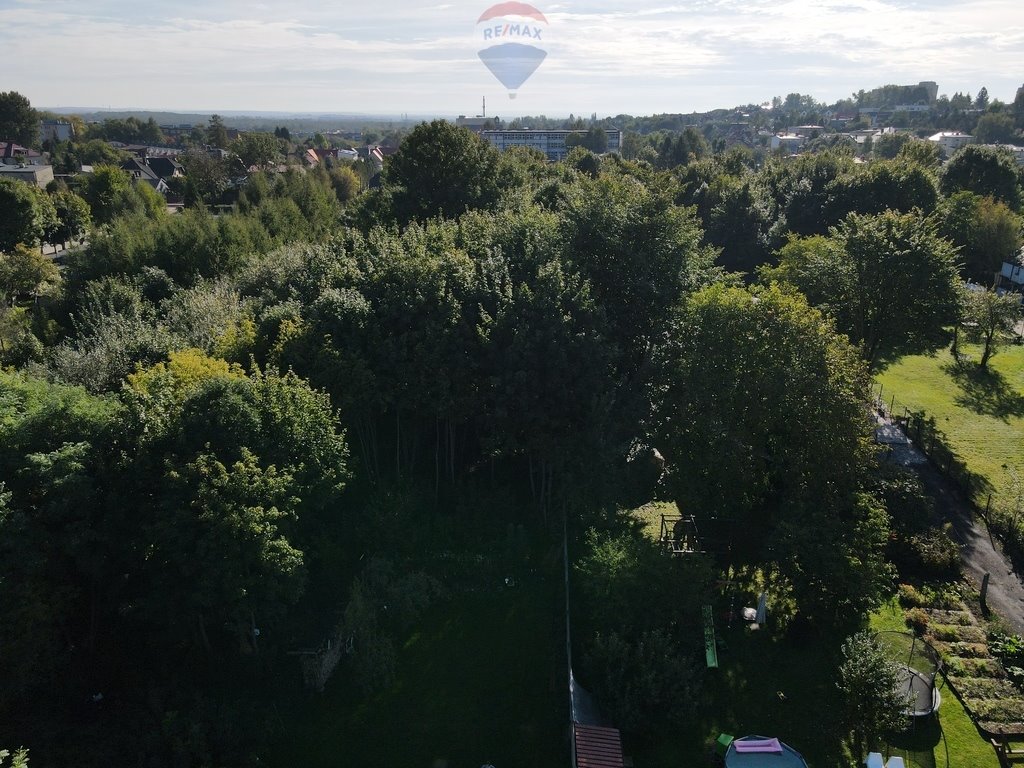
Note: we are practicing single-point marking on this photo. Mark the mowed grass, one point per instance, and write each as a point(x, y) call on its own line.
point(958, 744)
point(482, 679)
point(982, 414)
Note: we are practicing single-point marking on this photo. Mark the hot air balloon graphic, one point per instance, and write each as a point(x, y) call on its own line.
point(512, 34)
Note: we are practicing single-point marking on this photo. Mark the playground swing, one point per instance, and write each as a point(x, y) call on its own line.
point(679, 535)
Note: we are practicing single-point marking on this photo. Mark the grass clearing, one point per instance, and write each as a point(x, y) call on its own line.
point(982, 414)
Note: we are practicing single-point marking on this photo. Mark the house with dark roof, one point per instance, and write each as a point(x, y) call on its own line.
point(56, 130)
point(139, 171)
point(165, 167)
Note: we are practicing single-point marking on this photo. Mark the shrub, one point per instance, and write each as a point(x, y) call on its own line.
point(910, 597)
point(644, 681)
point(938, 554)
point(917, 619)
point(1010, 648)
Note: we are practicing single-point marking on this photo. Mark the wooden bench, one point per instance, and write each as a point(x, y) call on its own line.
point(1008, 755)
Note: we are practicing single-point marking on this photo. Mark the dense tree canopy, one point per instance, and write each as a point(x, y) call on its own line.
point(889, 280)
point(754, 389)
point(29, 215)
point(986, 231)
point(986, 171)
point(442, 169)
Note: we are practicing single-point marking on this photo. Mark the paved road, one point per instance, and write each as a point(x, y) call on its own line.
point(981, 554)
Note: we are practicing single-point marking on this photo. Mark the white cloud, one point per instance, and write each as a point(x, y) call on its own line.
point(395, 55)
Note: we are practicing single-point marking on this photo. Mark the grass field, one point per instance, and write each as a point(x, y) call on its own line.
point(982, 414)
point(481, 680)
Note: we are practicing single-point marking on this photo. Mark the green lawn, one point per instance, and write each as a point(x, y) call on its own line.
point(981, 414)
point(480, 680)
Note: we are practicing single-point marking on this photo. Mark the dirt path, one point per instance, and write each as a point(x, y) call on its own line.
point(981, 553)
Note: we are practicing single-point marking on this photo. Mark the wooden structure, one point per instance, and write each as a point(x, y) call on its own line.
point(679, 534)
point(1009, 752)
point(597, 747)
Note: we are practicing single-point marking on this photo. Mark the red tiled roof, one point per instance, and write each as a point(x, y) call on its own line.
point(597, 747)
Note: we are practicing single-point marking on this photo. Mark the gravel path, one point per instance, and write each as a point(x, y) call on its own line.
point(981, 553)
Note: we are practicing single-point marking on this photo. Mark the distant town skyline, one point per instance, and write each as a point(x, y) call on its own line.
point(395, 56)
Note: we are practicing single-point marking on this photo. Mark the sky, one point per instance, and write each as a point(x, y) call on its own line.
point(421, 58)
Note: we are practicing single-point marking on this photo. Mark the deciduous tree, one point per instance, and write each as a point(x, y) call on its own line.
point(991, 319)
point(755, 393)
point(18, 121)
point(889, 280)
point(986, 171)
point(874, 702)
point(441, 169)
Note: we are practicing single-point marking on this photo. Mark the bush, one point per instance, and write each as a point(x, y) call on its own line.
point(1010, 648)
point(917, 619)
point(644, 682)
point(937, 553)
point(931, 554)
point(910, 597)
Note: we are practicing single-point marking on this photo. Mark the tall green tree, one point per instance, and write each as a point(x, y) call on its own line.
point(25, 270)
point(986, 171)
point(986, 231)
point(755, 393)
point(874, 702)
point(73, 216)
point(108, 190)
point(889, 279)
point(28, 215)
point(991, 320)
point(995, 128)
point(217, 132)
point(441, 169)
point(18, 121)
point(256, 149)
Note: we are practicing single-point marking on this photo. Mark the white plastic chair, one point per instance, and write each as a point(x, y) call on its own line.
point(874, 760)
point(895, 762)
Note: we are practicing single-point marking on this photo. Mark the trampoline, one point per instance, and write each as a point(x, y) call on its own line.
point(919, 665)
point(774, 755)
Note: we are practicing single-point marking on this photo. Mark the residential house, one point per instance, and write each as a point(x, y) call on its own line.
point(140, 171)
point(790, 143)
point(807, 131)
point(165, 167)
point(56, 130)
point(950, 141)
point(15, 154)
point(40, 175)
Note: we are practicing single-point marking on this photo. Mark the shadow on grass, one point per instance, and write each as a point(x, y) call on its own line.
point(985, 391)
point(923, 745)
